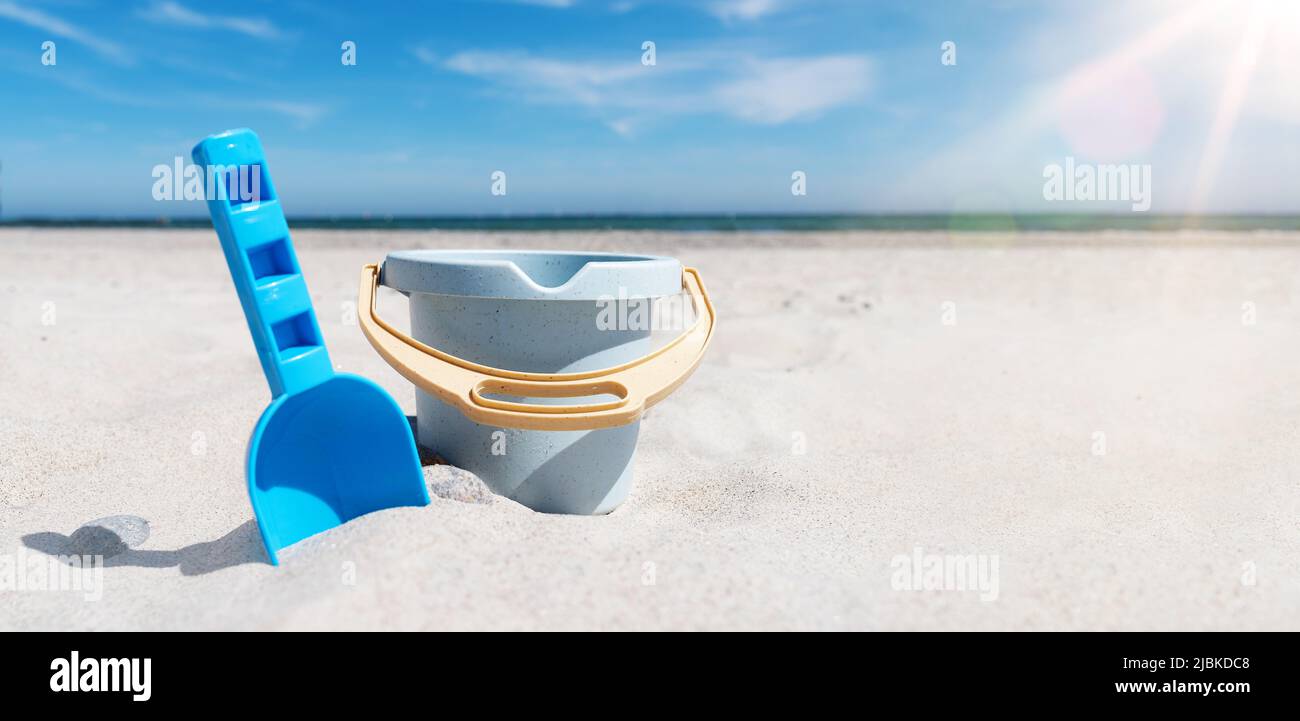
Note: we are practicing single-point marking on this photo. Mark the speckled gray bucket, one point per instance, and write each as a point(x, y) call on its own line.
point(532, 311)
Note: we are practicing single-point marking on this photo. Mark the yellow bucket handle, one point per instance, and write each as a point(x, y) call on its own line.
point(638, 384)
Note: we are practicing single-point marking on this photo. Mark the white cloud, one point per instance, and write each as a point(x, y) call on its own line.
point(425, 55)
point(173, 13)
point(728, 10)
point(61, 29)
point(546, 3)
point(623, 126)
point(303, 113)
point(776, 91)
point(583, 82)
point(624, 93)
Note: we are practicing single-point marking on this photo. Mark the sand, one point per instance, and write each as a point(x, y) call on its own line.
point(1110, 421)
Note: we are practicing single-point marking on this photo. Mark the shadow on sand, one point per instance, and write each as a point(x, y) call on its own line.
point(240, 546)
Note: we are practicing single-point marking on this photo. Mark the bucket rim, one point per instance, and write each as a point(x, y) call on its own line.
point(524, 274)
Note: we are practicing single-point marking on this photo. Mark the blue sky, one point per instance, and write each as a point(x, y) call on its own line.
point(742, 94)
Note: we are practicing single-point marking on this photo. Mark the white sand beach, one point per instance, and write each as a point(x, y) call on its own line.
point(1110, 418)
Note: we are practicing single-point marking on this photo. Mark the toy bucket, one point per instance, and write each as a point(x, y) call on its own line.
point(532, 369)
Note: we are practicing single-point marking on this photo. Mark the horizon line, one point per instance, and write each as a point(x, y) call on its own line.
point(983, 221)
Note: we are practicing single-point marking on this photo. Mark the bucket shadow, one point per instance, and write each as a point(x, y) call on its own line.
point(240, 546)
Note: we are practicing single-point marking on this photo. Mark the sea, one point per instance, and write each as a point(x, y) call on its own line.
point(974, 222)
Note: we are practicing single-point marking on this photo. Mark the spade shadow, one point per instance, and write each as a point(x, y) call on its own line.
point(238, 547)
point(242, 545)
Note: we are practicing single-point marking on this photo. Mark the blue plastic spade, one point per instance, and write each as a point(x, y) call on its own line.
point(331, 446)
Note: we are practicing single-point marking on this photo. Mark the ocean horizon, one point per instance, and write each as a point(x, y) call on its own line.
point(965, 222)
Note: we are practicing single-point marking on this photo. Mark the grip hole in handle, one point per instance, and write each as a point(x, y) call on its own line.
point(548, 398)
point(565, 401)
point(295, 336)
point(271, 262)
point(246, 185)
